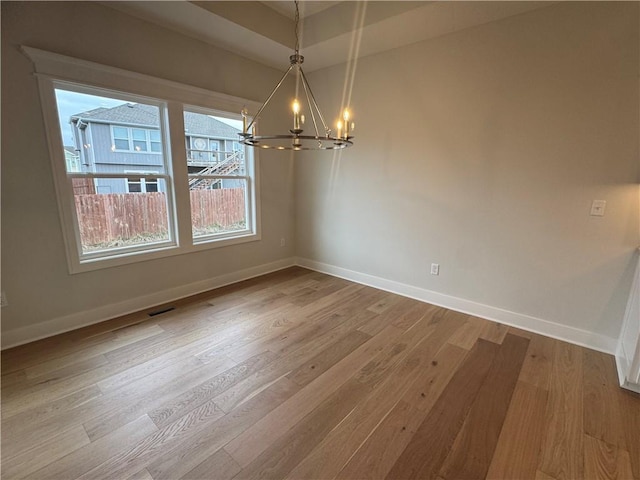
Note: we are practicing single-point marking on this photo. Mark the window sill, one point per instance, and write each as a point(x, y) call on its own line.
point(126, 258)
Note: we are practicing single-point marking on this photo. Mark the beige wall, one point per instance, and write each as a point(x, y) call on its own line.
point(482, 151)
point(34, 270)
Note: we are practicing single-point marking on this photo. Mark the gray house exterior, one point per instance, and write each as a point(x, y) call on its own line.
point(127, 139)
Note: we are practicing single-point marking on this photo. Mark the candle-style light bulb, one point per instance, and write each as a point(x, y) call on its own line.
point(339, 125)
point(346, 116)
point(245, 114)
point(296, 115)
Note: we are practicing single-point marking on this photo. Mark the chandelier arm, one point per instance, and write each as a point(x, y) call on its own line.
point(304, 80)
point(253, 120)
point(313, 116)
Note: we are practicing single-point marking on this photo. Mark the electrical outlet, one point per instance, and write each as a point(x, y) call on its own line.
point(282, 242)
point(3, 299)
point(597, 208)
point(435, 269)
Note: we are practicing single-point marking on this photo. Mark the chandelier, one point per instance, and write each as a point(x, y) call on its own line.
point(295, 140)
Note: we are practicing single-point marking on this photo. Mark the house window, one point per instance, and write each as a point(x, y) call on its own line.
point(218, 188)
point(203, 149)
point(121, 138)
point(139, 139)
point(127, 139)
point(133, 194)
point(154, 141)
point(142, 185)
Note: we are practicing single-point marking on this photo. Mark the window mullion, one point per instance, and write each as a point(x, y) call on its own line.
point(180, 172)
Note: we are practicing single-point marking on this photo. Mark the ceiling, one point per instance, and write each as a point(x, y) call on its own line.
point(307, 8)
point(331, 32)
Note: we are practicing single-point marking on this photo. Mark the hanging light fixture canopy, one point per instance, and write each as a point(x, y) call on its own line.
point(295, 140)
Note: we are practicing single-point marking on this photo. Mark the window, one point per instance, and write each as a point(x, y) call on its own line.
point(111, 219)
point(217, 183)
point(139, 139)
point(202, 149)
point(142, 185)
point(121, 138)
point(133, 192)
point(135, 139)
point(154, 141)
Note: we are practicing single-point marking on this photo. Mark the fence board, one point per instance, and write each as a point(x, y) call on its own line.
point(119, 217)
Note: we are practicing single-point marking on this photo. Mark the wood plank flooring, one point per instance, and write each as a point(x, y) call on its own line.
point(300, 375)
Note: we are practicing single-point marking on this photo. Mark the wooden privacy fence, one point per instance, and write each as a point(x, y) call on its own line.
point(223, 207)
point(106, 218)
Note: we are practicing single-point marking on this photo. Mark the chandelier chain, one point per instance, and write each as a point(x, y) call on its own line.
point(297, 20)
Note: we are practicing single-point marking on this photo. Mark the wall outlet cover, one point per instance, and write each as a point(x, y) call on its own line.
point(597, 208)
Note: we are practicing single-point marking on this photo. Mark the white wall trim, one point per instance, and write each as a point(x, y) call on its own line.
point(628, 348)
point(558, 331)
point(55, 326)
point(31, 333)
point(622, 366)
point(71, 69)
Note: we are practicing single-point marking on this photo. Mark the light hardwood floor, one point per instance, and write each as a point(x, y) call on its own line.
point(304, 376)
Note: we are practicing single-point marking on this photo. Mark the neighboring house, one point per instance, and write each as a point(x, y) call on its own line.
point(126, 139)
point(72, 159)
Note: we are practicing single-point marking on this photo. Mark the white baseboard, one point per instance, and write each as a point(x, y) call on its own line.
point(55, 326)
point(566, 333)
point(19, 336)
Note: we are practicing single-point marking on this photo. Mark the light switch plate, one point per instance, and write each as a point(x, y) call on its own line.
point(597, 208)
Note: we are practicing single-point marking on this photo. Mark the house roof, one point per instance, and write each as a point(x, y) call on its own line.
point(147, 116)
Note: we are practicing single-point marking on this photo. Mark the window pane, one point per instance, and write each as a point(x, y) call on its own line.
point(120, 132)
point(121, 144)
point(140, 146)
point(154, 137)
point(134, 185)
point(92, 126)
point(210, 137)
point(139, 134)
point(117, 220)
point(151, 185)
point(120, 138)
point(217, 206)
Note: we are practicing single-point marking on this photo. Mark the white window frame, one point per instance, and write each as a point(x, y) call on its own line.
point(203, 239)
point(52, 68)
point(113, 138)
point(66, 194)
